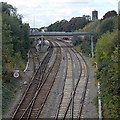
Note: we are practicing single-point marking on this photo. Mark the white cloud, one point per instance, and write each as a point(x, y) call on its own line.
point(71, 1)
point(46, 12)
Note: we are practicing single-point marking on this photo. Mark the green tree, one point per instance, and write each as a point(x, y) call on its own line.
point(74, 24)
point(8, 9)
point(109, 24)
point(15, 39)
point(108, 71)
point(110, 14)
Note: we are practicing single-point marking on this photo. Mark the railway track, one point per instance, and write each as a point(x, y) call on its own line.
point(57, 88)
point(43, 93)
point(72, 101)
point(67, 86)
point(70, 97)
point(27, 103)
point(81, 87)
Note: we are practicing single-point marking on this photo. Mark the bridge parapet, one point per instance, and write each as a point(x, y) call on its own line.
point(59, 33)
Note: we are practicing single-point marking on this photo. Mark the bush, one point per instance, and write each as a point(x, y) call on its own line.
point(106, 55)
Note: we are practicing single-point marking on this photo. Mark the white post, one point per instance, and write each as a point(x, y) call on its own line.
point(92, 49)
point(99, 103)
point(99, 100)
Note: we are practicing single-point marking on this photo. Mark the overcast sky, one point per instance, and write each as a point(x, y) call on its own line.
point(39, 13)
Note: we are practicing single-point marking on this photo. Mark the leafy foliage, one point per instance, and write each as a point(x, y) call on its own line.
point(15, 45)
point(110, 14)
point(15, 40)
point(8, 9)
point(84, 44)
point(98, 28)
point(109, 24)
point(91, 27)
point(108, 60)
point(72, 25)
point(106, 45)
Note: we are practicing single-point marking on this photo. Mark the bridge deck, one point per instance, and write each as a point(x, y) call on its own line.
point(59, 33)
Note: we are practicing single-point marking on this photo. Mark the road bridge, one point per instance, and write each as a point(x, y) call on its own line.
point(59, 34)
point(34, 33)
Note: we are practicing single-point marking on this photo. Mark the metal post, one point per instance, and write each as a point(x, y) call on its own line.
point(74, 39)
point(99, 103)
point(92, 48)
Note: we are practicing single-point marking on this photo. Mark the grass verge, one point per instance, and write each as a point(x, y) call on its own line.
point(9, 90)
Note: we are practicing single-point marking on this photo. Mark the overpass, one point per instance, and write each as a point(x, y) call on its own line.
point(34, 33)
point(59, 34)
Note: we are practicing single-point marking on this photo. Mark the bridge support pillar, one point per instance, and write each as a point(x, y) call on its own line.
point(92, 48)
point(42, 42)
point(74, 39)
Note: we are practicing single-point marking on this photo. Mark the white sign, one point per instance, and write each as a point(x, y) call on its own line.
point(16, 74)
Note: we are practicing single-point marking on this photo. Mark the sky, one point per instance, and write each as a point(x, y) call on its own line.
point(40, 13)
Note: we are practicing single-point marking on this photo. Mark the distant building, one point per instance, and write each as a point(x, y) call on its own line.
point(94, 15)
point(44, 29)
point(34, 31)
point(87, 17)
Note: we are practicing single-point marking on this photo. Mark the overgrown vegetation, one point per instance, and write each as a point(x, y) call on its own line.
point(15, 45)
point(106, 45)
point(98, 27)
point(9, 91)
point(107, 58)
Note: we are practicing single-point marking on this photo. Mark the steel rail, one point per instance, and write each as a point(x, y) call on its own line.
point(73, 93)
point(33, 77)
point(72, 96)
point(57, 61)
point(33, 100)
point(83, 93)
point(39, 87)
point(57, 113)
point(85, 88)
